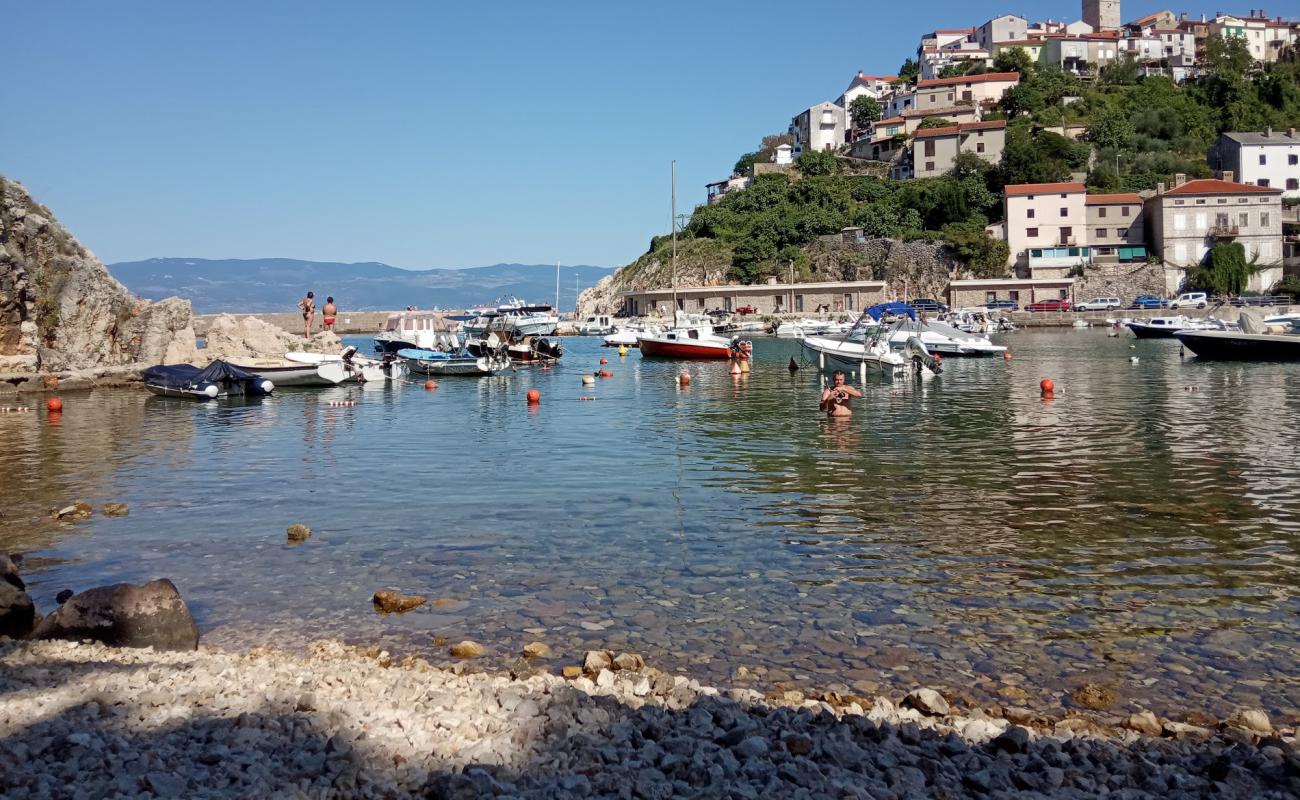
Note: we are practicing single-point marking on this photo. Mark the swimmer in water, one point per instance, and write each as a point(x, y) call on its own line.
point(836, 397)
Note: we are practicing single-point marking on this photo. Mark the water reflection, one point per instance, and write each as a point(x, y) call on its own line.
point(958, 531)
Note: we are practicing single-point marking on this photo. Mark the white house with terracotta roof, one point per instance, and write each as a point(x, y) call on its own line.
point(976, 91)
point(1192, 216)
point(1268, 158)
point(1160, 19)
point(935, 150)
point(1046, 227)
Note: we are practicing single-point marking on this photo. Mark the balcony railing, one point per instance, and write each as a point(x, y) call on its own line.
point(1223, 232)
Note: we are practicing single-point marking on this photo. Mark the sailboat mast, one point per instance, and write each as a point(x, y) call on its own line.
point(557, 288)
point(673, 221)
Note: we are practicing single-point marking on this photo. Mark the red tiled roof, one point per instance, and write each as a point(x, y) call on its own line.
point(953, 30)
point(890, 121)
point(951, 111)
point(1148, 18)
point(1022, 189)
point(1119, 199)
point(961, 127)
point(1216, 186)
point(1018, 42)
point(985, 78)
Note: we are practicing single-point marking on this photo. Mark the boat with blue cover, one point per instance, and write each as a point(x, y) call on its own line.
point(461, 362)
point(218, 379)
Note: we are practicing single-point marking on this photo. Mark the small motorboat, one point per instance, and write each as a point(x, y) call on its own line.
point(1256, 341)
point(690, 342)
point(868, 347)
point(627, 335)
point(424, 330)
point(357, 367)
point(462, 362)
point(597, 325)
point(286, 372)
point(1166, 327)
point(534, 349)
point(218, 379)
point(941, 338)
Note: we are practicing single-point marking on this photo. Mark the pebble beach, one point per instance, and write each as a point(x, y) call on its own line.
point(80, 720)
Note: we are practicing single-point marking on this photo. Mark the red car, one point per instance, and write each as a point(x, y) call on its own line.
point(1049, 305)
point(746, 310)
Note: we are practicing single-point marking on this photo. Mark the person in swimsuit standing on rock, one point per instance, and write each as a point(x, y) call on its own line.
point(308, 306)
point(836, 397)
point(329, 313)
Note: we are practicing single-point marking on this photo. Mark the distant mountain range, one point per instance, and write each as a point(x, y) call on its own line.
point(277, 284)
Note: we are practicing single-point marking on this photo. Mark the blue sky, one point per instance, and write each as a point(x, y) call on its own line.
point(420, 134)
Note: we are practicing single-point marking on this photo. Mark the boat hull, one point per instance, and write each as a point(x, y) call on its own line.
point(849, 355)
point(1236, 346)
point(323, 374)
point(683, 349)
point(1143, 331)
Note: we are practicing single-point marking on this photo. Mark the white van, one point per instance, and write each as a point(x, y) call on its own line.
point(1189, 299)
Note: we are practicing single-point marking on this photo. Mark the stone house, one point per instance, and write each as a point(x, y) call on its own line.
point(1005, 28)
point(934, 150)
point(1102, 15)
point(975, 91)
point(1271, 158)
point(1192, 216)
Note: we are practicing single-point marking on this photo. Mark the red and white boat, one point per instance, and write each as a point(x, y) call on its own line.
point(684, 342)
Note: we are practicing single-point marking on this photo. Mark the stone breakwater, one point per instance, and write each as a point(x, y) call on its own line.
point(84, 720)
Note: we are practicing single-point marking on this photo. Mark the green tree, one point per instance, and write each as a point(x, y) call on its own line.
point(1123, 71)
point(909, 72)
point(1227, 58)
point(935, 122)
point(864, 110)
point(1226, 270)
point(1111, 129)
point(817, 162)
point(1023, 98)
point(745, 163)
point(985, 256)
point(1013, 59)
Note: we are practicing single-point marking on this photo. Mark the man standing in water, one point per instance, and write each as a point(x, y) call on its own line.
point(329, 313)
point(308, 306)
point(836, 397)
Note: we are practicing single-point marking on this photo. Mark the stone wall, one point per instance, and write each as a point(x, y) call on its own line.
point(60, 309)
point(914, 269)
point(1125, 281)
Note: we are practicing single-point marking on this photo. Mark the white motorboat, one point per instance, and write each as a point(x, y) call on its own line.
point(1166, 327)
point(515, 316)
point(687, 341)
point(977, 320)
point(421, 330)
point(868, 347)
point(627, 335)
point(941, 338)
point(284, 372)
point(359, 368)
point(798, 328)
point(598, 325)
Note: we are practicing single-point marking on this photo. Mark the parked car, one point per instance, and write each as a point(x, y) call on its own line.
point(1149, 301)
point(745, 310)
point(1099, 304)
point(1002, 305)
point(1187, 299)
point(1049, 305)
point(926, 304)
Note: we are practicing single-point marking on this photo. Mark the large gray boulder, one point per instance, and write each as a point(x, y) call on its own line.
point(125, 615)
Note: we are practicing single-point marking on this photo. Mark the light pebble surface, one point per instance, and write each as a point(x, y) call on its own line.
point(87, 721)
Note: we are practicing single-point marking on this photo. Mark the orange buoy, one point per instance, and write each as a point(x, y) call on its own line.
point(604, 373)
point(604, 360)
point(1006, 355)
point(534, 397)
point(1047, 385)
point(54, 404)
point(430, 385)
point(684, 379)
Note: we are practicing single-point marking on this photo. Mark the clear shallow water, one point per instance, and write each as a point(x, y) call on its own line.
point(959, 532)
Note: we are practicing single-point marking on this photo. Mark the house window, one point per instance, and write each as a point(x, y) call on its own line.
point(1101, 233)
point(726, 303)
point(1292, 183)
point(1293, 159)
point(979, 148)
point(1065, 212)
point(1032, 233)
point(1263, 159)
point(1101, 212)
point(798, 302)
point(990, 297)
point(1029, 213)
point(929, 148)
point(929, 166)
point(1066, 234)
point(700, 304)
point(1262, 182)
point(1014, 295)
point(681, 304)
point(1220, 220)
point(1263, 219)
point(1179, 202)
point(848, 302)
point(1062, 197)
point(776, 301)
point(1245, 219)
point(1125, 211)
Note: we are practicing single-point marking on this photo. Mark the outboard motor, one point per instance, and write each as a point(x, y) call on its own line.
point(920, 357)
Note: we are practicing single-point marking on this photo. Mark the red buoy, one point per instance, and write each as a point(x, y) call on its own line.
point(604, 360)
point(430, 385)
point(54, 404)
point(534, 397)
point(1047, 386)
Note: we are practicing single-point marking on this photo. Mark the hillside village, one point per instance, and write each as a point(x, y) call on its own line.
point(1018, 161)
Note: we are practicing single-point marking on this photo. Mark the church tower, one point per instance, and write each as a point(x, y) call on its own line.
point(1101, 14)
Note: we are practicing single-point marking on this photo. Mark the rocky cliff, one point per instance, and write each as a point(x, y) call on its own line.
point(917, 269)
point(60, 310)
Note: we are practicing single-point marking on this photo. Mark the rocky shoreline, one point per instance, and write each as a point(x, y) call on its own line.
point(85, 720)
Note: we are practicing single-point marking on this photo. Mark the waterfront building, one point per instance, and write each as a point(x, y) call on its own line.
point(1270, 158)
point(1045, 227)
point(935, 150)
point(1192, 216)
point(1116, 229)
point(821, 127)
point(772, 297)
point(1021, 291)
point(1077, 54)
